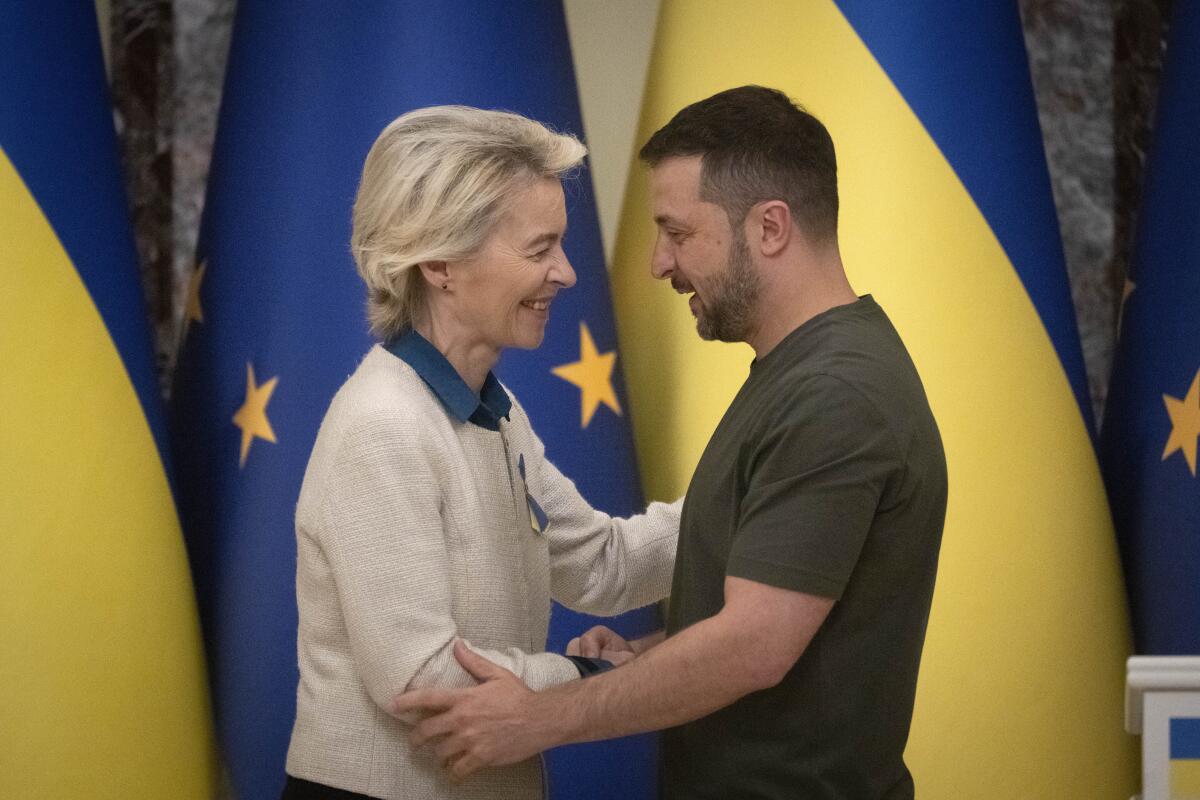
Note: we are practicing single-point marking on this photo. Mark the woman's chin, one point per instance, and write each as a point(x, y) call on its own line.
point(529, 338)
point(531, 342)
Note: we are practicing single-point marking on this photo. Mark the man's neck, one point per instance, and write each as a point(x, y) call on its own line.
point(796, 297)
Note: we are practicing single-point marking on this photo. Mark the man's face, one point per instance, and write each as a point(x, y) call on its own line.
point(699, 252)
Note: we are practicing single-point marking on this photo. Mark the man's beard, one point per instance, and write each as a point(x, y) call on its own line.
point(727, 317)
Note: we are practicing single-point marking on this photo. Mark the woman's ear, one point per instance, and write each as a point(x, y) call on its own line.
point(436, 274)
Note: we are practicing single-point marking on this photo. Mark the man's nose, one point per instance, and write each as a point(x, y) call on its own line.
point(662, 260)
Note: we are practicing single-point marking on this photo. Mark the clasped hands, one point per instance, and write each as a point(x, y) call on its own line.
point(499, 721)
point(603, 643)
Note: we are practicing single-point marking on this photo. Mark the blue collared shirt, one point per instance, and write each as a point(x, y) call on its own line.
point(485, 409)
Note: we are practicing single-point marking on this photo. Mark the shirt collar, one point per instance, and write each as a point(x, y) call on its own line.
point(485, 409)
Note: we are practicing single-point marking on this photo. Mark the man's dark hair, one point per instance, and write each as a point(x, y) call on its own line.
point(755, 144)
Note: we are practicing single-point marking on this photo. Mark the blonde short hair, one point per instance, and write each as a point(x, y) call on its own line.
point(437, 180)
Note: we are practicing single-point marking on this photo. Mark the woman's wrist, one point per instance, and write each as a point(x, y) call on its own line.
point(590, 666)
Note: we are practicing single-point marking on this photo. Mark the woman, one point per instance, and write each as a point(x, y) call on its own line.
point(428, 510)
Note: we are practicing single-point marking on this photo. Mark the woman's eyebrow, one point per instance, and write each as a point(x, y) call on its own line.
point(550, 237)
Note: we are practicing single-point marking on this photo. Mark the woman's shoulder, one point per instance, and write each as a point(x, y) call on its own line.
point(383, 396)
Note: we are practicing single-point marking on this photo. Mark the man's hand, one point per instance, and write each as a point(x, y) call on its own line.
point(488, 725)
point(601, 642)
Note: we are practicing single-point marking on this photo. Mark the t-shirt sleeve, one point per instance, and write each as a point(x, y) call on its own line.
point(813, 483)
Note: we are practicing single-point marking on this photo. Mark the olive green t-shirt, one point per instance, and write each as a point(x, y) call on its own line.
point(825, 476)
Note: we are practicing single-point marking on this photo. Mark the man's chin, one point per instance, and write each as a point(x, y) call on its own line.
point(715, 333)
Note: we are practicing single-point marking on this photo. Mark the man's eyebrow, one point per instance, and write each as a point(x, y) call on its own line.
point(665, 219)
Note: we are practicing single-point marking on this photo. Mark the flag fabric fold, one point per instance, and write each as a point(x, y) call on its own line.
point(276, 323)
point(1152, 417)
point(102, 685)
point(947, 220)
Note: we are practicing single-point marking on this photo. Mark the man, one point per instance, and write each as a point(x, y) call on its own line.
point(810, 532)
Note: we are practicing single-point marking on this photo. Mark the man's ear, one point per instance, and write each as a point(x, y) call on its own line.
point(436, 274)
point(771, 226)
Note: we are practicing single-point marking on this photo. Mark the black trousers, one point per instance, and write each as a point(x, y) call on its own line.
point(299, 789)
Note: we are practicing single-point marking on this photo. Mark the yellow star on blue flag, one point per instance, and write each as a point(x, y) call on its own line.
point(252, 416)
point(1185, 423)
point(192, 310)
point(592, 373)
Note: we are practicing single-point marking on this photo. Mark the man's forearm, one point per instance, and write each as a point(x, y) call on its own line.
point(706, 667)
point(643, 644)
point(750, 645)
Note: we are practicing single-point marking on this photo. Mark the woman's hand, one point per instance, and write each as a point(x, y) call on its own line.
point(617, 657)
point(602, 642)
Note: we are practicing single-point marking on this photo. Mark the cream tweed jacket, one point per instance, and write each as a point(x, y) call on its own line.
point(413, 529)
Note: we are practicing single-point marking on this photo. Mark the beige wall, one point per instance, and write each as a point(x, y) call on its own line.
point(611, 41)
point(103, 10)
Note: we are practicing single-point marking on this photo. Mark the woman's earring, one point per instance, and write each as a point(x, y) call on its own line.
point(445, 287)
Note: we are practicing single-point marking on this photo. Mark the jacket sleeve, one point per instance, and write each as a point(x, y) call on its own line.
point(600, 564)
point(380, 528)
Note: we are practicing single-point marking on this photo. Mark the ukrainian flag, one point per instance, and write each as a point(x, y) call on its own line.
point(276, 323)
point(947, 219)
point(1185, 758)
point(1152, 420)
point(102, 690)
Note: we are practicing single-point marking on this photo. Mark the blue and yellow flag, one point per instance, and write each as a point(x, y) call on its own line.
point(1184, 751)
point(276, 324)
point(1152, 419)
point(947, 219)
point(102, 690)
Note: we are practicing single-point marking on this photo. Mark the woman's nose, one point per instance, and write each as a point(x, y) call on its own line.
point(563, 273)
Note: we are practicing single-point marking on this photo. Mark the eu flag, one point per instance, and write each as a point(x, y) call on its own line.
point(276, 324)
point(1152, 420)
point(101, 672)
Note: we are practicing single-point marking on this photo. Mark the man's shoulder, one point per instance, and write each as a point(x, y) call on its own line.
point(857, 374)
point(858, 354)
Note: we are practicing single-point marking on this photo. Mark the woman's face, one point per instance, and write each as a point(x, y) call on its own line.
point(505, 290)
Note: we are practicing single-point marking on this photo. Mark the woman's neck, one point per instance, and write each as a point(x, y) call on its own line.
point(471, 359)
